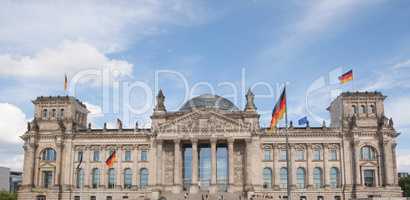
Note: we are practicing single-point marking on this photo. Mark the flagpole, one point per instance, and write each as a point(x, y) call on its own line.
point(287, 149)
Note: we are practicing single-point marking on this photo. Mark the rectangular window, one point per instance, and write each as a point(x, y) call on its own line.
point(79, 156)
point(41, 197)
point(47, 178)
point(300, 155)
point(282, 155)
point(333, 154)
point(127, 156)
point(317, 154)
point(109, 197)
point(96, 156)
point(368, 175)
point(76, 197)
point(144, 155)
point(266, 154)
point(93, 198)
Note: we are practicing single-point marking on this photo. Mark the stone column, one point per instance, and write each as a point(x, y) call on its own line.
point(177, 166)
point(292, 175)
point(194, 183)
point(393, 149)
point(59, 163)
point(275, 168)
point(325, 165)
point(159, 163)
point(309, 169)
point(356, 152)
point(29, 159)
point(231, 164)
point(248, 162)
point(388, 164)
point(214, 187)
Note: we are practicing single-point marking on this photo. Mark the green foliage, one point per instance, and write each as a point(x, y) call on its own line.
point(405, 186)
point(7, 196)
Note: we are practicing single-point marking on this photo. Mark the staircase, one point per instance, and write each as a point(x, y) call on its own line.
point(202, 196)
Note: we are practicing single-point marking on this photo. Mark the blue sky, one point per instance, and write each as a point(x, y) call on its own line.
point(213, 42)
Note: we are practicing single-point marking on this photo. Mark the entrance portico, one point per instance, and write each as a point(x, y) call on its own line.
point(199, 164)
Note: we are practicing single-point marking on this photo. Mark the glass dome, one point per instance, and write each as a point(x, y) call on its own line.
point(209, 101)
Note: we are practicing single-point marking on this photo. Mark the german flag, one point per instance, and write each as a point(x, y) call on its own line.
point(279, 110)
point(65, 82)
point(111, 159)
point(346, 77)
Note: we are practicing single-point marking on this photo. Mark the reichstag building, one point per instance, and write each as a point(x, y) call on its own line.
point(210, 147)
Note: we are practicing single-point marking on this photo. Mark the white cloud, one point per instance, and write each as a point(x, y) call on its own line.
point(70, 57)
point(95, 112)
point(317, 18)
point(399, 109)
point(111, 26)
point(402, 64)
point(13, 123)
point(14, 162)
point(394, 76)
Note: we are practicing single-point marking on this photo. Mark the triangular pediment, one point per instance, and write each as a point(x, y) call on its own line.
point(203, 121)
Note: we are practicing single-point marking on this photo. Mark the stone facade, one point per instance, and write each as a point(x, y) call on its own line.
point(210, 146)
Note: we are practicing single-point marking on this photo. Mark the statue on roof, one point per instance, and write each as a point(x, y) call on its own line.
point(160, 102)
point(250, 104)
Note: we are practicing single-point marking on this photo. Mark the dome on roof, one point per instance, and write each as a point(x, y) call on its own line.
point(209, 101)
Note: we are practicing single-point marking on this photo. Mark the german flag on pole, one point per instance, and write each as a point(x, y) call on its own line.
point(279, 110)
point(111, 159)
point(65, 82)
point(346, 77)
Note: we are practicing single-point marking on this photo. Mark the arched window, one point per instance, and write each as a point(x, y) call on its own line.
point(127, 178)
point(317, 177)
point(267, 153)
point(300, 177)
point(362, 109)
point(53, 113)
point(61, 113)
point(45, 113)
point(111, 178)
point(95, 178)
point(283, 177)
point(49, 154)
point(372, 109)
point(267, 177)
point(143, 178)
point(334, 177)
point(80, 178)
point(317, 153)
point(368, 153)
point(354, 109)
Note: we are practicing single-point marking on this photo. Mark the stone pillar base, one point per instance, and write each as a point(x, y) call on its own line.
point(213, 189)
point(194, 188)
point(155, 195)
point(177, 189)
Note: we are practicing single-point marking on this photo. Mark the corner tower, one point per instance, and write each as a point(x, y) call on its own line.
point(365, 108)
point(53, 112)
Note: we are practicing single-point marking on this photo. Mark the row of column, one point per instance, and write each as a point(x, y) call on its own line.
point(178, 164)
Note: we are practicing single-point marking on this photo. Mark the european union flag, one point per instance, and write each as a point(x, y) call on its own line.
point(303, 121)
